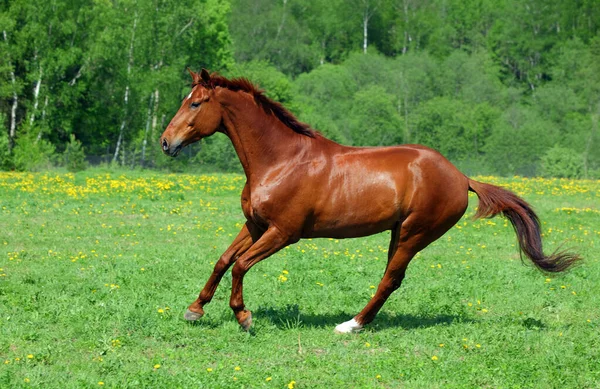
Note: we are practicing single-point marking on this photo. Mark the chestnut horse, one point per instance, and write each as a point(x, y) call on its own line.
point(302, 185)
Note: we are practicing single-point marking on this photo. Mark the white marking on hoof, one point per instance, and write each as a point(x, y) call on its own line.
point(348, 327)
point(192, 316)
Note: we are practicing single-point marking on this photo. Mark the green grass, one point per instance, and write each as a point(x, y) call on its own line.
point(96, 272)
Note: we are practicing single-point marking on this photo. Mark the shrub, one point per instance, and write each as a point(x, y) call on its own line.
point(562, 162)
point(5, 157)
point(32, 154)
point(74, 155)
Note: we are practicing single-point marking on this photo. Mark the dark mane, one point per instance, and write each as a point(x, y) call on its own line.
point(268, 105)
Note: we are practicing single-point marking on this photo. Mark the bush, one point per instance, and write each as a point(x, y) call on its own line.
point(5, 158)
point(218, 152)
point(74, 155)
point(562, 162)
point(32, 154)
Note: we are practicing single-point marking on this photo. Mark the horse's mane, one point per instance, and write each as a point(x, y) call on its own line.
point(268, 105)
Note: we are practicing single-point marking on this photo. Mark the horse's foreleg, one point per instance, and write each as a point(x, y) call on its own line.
point(239, 246)
point(269, 243)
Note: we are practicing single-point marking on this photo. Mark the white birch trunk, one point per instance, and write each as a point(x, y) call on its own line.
point(154, 116)
point(405, 8)
point(148, 123)
point(126, 98)
point(281, 24)
point(36, 95)
point(39, 136)
point(15, 104)
point(368, 13)
point(365, 26)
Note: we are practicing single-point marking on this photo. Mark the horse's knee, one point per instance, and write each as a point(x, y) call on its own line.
point(239, 270)
point(222, 264)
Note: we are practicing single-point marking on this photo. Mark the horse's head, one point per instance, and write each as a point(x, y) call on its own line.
point(198, 117)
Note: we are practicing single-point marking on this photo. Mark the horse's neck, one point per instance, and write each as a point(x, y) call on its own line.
point(260, 140)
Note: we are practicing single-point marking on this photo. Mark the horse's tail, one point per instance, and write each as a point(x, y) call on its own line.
point(494, 200)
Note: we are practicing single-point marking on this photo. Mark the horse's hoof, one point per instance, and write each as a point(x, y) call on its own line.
point(246, 323)
point(348, 327)
point(192, 316)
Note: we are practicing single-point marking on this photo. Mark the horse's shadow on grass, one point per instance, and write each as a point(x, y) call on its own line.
point(290, 317)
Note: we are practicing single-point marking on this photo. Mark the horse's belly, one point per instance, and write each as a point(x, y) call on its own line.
point(356, 219)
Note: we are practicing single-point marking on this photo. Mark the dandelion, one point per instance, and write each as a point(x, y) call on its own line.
point(100, 383)
point(291, 385)
point(434, 358)
point(268, 379)
point(209, 369)
point(26, 380)
point(367, 344)
point(237, 368)
point(378, 376)
point(442, 345)
point(157, 366)
point(30, 356)
point(160, 310)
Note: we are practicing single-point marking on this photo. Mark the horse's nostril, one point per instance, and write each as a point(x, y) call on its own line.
point(165, 145)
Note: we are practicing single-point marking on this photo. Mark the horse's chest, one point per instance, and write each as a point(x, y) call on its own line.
point(255, 205)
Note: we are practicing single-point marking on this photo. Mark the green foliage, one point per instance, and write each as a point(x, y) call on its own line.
point(32, 154)
point(275, 84)
point(488, 83)
point(74, 155)
point(562, 162)
point(373, 119)
point(519, 139)
point(5, 156)
point(218, 152)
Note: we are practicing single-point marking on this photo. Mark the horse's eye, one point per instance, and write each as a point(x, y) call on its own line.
point(195, 104)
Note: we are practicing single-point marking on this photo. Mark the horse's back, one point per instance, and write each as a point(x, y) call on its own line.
point(369, 190)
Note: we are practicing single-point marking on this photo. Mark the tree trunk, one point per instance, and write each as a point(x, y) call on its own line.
point(148, 122)
point(43, 118)
point(15, 104)
point(126, 98)
point(36, 95)
point(368, 12)
point(405, 9)
point(281, 24)
point(365, 26)
point(154, 117)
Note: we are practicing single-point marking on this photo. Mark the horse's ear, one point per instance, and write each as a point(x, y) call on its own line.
point(205, 75)
point(195, 76)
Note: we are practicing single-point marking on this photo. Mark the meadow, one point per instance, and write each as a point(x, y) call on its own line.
point(97, 269)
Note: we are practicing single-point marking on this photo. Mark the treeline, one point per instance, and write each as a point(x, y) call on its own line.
point(501, 87)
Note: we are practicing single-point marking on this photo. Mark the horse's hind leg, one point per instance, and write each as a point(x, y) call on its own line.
point(239, 246)
point(412, 237)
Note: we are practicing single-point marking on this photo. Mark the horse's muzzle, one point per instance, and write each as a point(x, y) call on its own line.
point(169, 149)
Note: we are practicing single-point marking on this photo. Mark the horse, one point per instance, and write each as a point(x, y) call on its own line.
point(300, 184)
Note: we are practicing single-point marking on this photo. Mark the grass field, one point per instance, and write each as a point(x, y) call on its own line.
point(97, 269)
